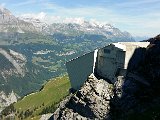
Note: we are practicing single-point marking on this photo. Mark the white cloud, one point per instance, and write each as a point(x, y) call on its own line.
point(40, 16)
point(74, 20)
point(27, 2)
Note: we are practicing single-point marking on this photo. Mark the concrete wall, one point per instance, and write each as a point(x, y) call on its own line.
point(130, 49)
point(110, 59)
point(138, 44)
point(79, 69)
point(129, 52)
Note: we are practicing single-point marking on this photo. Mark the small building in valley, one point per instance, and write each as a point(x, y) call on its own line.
point(107, 62)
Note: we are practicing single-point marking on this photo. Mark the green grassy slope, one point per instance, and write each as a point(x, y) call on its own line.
point(52, 93)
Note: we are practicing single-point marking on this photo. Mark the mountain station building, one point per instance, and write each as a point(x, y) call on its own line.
point(107, 62)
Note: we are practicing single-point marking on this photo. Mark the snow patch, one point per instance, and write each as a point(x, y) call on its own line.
point(79, 21)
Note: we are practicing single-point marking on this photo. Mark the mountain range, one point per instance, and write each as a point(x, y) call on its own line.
point(32, 51)
point(10, 23)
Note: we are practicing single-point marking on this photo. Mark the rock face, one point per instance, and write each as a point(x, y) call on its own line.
point(6, 100)
point(91, 101)
point(9, 23)
point(134, 96)
point(13, 63)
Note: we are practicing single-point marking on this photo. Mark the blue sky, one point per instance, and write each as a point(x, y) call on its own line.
point(139, 17)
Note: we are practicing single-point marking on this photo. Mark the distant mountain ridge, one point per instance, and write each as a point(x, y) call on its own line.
point(10, 23)
point(106, 30)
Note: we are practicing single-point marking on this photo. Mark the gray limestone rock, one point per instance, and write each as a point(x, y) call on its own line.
point(92, 101)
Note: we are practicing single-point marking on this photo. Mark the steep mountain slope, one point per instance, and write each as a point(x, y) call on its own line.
point(39, 25)
point(132, 97)
point(9, 23)
point(15, 65)
point(36, 104)
point(16, 69)
point(18, 77)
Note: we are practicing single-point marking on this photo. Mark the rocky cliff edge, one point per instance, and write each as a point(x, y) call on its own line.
point(135, 96)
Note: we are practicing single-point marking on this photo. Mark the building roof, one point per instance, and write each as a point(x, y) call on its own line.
point(123, 45)
point(120, 46)
point(138, 44)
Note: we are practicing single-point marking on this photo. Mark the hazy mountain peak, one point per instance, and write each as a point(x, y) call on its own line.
point(82, 22)
point(4, 11)
point(10, 23)
point(39, 17)
point(37, 23)
point(1, 8)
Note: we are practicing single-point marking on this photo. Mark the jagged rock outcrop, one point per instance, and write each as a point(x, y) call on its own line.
point(10, 23)
point(91, 101)
point(6, 100)
point(13, 63)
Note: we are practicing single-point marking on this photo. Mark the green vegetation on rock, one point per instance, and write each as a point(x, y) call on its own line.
point(35, 104)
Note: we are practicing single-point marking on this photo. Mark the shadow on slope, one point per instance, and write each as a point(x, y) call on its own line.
point(139, 97)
